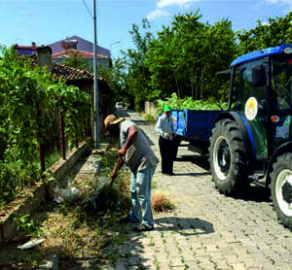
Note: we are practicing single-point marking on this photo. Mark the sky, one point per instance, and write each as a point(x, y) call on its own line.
point(47, 21)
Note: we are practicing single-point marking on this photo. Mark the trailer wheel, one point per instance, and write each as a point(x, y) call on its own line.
point(281, 188)
point(228, 157)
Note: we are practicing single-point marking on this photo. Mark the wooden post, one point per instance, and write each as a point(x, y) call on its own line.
point(40, 139)
point(62, 135)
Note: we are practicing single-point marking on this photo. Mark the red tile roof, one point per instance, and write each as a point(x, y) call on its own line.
point(74, 75)
point(80, 53)
point(71, 74)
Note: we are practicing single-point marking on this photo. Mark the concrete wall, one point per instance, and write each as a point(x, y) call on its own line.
point(150, 108)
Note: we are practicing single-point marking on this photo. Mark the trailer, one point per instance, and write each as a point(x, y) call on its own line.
point(195, 127)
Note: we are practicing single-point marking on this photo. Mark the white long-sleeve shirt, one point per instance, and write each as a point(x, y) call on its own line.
point(165, 125)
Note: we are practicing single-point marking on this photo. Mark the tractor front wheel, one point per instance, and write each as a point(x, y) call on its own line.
point(281, 188)
point(228, 157)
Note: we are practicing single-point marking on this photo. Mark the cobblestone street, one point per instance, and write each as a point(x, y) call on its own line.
point(206, 230)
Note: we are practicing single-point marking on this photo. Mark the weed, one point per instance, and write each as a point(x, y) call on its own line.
point(52, 158)
point(113, 256)
point(28, 226)
point(160, 203)
point(66, 207)
point(194, 229)
point(150, 119)
point(156, 263)
point(272, 261)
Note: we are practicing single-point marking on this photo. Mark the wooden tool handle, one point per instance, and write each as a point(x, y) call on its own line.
point(120, 160)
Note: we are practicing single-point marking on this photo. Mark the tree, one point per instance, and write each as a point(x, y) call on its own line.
point(274, 33)
point(186, 56)
point(138, 72)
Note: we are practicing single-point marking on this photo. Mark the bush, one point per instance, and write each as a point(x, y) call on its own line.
point(8, 183)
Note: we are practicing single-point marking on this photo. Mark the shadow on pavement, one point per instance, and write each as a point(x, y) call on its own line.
point(201, 161)
point(192, 174)
point(184, 226)
point(255, 194)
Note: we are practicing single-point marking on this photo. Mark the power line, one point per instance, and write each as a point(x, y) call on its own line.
point(88, 10)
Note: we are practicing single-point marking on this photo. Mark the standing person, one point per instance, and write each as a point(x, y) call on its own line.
point(139, 157)
point(165, 130)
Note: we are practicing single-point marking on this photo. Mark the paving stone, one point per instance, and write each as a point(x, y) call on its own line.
point(208, 230)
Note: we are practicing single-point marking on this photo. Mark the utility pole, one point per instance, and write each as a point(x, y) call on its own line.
point(96, 99)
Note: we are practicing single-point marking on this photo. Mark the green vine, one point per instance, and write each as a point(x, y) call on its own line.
point(30, 99)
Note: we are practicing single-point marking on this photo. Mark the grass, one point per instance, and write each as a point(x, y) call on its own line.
point(98, 224)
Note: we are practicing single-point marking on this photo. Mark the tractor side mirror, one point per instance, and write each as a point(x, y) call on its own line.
point(258, 76)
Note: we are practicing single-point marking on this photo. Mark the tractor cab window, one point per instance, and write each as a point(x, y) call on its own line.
point(281, 81)
point(281, 88)
point(250, 91)
point(249, 81)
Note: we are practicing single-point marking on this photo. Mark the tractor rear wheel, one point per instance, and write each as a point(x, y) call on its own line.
point(228, 157)
point(281, 188)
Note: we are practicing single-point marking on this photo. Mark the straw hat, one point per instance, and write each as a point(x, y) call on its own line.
point(112, 120)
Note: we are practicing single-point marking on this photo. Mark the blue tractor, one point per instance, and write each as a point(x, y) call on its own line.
point(254, 136)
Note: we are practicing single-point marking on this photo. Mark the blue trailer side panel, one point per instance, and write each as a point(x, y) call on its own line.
point(194, 124)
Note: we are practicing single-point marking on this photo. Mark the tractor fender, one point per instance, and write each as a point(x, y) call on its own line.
point(224, 115)
point(285, 148)
point(244, 129)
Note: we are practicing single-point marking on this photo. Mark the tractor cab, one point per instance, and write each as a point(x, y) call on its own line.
point(261, 92)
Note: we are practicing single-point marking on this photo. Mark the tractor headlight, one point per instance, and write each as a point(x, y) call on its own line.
point(288, 50)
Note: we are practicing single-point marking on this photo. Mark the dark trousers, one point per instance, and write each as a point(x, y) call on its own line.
point(167, 155)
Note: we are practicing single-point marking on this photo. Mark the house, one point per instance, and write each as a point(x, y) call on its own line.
point(25, 50)
point(67, 46)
